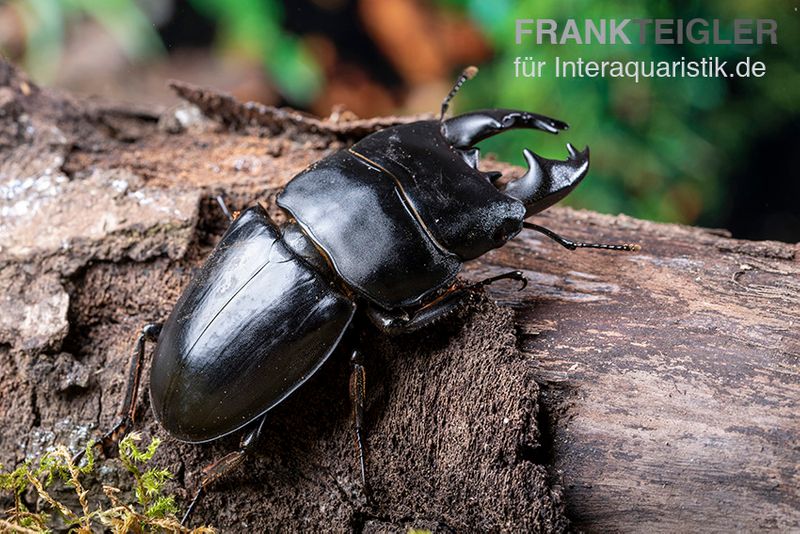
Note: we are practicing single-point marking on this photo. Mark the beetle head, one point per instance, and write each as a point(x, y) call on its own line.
point(547, 181)
point(434, 168)
point(442, 188)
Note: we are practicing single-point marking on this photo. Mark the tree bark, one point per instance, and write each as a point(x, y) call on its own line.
point(654, 390)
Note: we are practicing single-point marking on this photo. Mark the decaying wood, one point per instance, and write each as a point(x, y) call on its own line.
point(656, 390)
point(242, 115)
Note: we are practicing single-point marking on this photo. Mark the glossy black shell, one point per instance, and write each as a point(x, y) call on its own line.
point(252, 326)
point(400, 211)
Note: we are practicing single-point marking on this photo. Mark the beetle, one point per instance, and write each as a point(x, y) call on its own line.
point(380, 229)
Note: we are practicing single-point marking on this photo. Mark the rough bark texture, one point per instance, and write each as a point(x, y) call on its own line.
point(654, 390)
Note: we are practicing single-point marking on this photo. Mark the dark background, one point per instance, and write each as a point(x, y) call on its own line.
point(706, 151)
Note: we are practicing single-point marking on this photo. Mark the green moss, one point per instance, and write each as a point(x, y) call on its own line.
point(152, 510)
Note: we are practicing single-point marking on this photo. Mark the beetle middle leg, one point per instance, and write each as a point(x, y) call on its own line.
point(127, 411)
point(358, 395)
point(223, 466)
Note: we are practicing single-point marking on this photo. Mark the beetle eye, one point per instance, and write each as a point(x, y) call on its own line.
point(493, 176)
point(500, 236)
point(507, 230)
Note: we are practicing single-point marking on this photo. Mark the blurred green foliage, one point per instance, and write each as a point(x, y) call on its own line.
point(46, 22)
point(247, 28)
point(661, 148)
point(254, 27)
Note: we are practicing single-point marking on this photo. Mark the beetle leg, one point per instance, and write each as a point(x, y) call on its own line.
point(127, 410)
point(572, 245)
point(400, 322)
point(230, 215)
point(358, 397)
point(219, 468)
point(511, 275)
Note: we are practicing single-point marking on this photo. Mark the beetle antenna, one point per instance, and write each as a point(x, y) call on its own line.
point(468, 74)
point(572, 245)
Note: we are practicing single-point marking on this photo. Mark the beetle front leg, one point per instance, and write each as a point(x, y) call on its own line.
point(219, 468)
point(511, 275)
point(127, 411)
point(395, 322)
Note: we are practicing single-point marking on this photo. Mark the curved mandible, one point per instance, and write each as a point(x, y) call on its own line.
point(465, 130)
point(548, 180)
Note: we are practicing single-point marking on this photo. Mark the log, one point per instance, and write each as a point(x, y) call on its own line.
point(646, 391)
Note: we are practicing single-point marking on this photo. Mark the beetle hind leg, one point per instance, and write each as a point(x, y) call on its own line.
point(225, 465)
point(127, 411)
point(230, 215)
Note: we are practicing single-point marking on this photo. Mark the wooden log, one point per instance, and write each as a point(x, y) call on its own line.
point(644, 391)
point(670, 376)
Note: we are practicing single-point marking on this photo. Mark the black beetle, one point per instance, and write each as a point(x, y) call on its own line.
point(382, 227)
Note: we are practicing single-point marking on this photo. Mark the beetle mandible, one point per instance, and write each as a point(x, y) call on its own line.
point(382, 229)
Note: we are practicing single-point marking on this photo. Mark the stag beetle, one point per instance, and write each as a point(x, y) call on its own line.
point(383, 228)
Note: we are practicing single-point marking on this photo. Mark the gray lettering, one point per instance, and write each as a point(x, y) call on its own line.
point(599, 33)
point(571, 32)
point(642, 29)
point(767, 27)
point(743, 31)
point(616, 31)
point(664, 31)
point(717, 38)
point(701, 37)
point(523, 31)
point(550, 30)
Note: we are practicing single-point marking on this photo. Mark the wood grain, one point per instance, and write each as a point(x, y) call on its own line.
point(670, 375)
